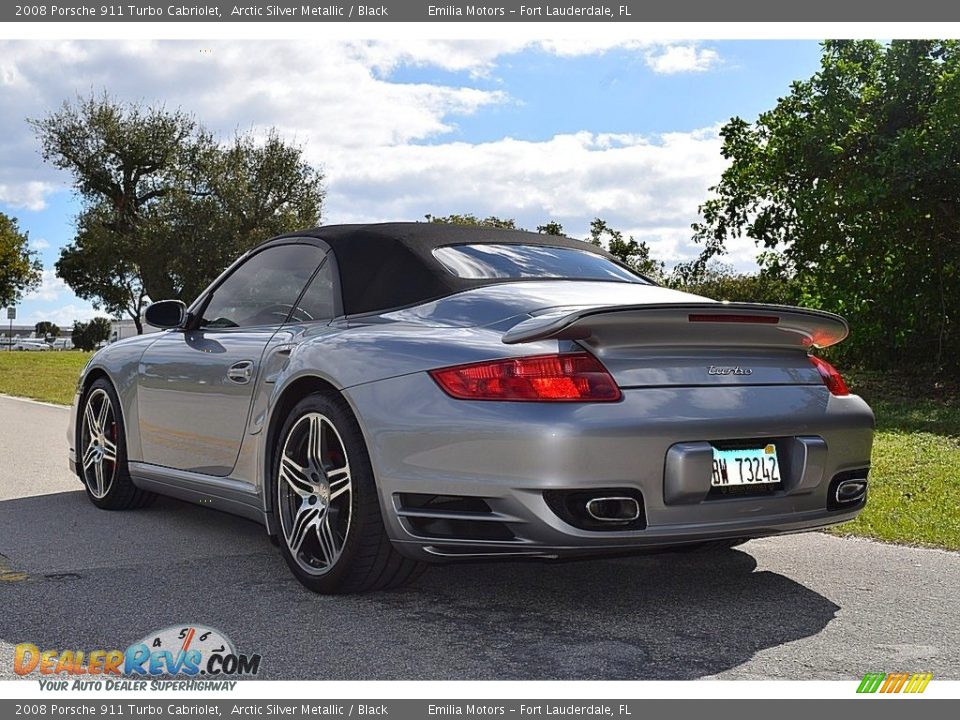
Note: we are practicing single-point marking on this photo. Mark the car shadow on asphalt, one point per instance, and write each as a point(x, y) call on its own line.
point(665, 616)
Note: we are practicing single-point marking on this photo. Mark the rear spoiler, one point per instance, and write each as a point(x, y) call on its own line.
point(717, 324)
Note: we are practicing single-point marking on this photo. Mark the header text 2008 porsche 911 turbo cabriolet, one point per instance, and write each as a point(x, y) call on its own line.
point(384, 396)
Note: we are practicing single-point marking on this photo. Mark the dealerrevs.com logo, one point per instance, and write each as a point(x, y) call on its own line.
point(192, 651)
point(910, 683)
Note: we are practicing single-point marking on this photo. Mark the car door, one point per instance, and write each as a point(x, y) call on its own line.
point(196, 384)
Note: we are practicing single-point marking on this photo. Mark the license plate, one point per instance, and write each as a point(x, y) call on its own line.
point(751, 466)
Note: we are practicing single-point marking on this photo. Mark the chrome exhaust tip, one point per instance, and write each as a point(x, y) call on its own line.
point(616, 509)
point(599, 509)
point(850, 492)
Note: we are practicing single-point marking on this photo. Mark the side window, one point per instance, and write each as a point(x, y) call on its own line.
point(262, 290)
point(317, 301)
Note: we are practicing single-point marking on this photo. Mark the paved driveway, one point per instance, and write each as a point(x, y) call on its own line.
point(801, 607)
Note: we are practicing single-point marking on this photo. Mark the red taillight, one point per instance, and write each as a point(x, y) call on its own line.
point(831, 377)
point(572, 377)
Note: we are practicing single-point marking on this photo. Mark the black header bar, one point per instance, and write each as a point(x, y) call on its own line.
point(621, 11)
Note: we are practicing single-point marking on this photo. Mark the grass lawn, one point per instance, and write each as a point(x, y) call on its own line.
point(915, 474)
point(914, 481)
point(49, 376)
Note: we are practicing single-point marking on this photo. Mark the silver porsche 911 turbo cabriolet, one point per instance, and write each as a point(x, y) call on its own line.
point(384, 396)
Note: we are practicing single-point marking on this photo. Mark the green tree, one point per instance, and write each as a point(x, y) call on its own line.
point(166, 205)
point(470, 219)
point(629, 251)
point(78, 335)
point(97, 270)
point(19, 266)
point(87, 335)
point(721, 282)
point(45, 329)
point(550, 228)
point(98, 330)
point(241, 193)
point(852, 184)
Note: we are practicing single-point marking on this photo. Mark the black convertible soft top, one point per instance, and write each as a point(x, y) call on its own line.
point(391, 265)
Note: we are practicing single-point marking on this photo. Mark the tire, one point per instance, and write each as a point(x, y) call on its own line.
point(326, 505)
point(102, 452)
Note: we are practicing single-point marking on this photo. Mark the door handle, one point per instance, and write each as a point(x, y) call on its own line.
point(240, 372)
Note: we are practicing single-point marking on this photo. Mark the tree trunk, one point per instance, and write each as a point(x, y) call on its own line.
point(135, 315)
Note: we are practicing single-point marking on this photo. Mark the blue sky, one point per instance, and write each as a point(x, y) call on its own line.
point(616, 92)
point(565, 130)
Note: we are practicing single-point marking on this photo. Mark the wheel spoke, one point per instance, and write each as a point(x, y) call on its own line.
point(89, 456)
point(301, 523)
point(324, 446)
point(339, 481)
point(328, 543)
point(314, 442)
point(109, 450)
point(295, 476)
point(98, 472)
point(102, 415)
point(91, 418)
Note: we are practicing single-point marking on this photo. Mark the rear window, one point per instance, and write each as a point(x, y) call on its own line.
point(492, 261)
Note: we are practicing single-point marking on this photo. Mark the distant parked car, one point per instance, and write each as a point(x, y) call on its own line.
point(30, 345)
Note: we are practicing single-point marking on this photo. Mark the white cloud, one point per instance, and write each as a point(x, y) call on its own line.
point(50, 288)
point(63, 316)
point(39, 244)
point(648, 185)
point(328, 95)
point(480, 57)
point(477, 56)
point(381, 141)
point(322, 95)
point(672, 59)
point(597, 45)
point(29, 194)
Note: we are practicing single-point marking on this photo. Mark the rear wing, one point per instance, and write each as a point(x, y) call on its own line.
point(703, 324)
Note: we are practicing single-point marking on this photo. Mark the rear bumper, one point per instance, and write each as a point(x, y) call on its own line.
point(422, 442)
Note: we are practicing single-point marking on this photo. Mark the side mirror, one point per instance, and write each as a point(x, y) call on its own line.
point(165, 314)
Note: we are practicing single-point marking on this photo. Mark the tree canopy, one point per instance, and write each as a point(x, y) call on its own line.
point(166, 205)
point(551, 227)
point(46, 329)
point(629, 251)
point(851, 183)
point(98, 266)
point(19, 266)
point(470, 219)
point(87, 335)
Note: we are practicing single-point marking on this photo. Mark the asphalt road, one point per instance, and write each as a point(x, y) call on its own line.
point(801, 607)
